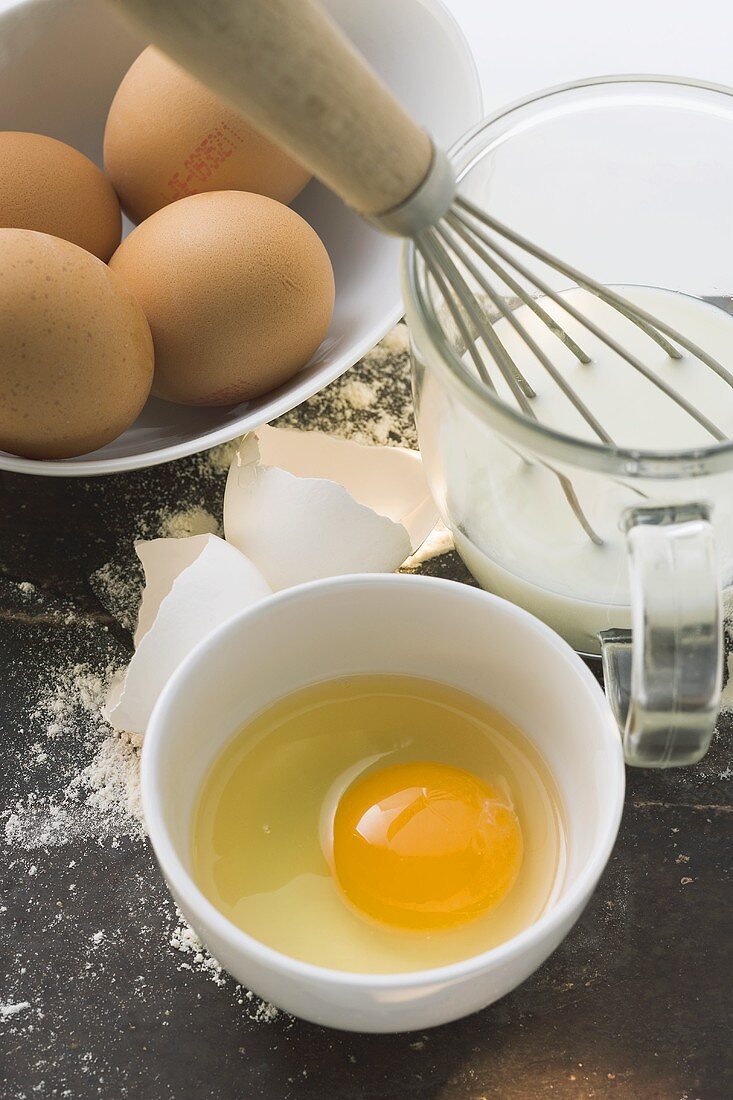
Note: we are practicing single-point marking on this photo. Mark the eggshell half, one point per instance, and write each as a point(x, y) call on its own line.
point(390, 480)
point(303, 505)
point(192, 586)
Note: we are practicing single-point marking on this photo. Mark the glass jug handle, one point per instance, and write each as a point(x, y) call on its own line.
point(664, 676)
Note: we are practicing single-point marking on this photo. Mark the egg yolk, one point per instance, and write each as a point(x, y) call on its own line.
point(425, 845)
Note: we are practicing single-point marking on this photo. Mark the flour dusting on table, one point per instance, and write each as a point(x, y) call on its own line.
point(99, 798)
point(96, 802)
point(79, 780)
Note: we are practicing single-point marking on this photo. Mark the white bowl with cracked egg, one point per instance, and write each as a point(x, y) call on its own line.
point(60, 65)
point(351, 625)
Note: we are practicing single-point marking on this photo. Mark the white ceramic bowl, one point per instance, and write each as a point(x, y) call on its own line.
point(60, 65)
point(385, 624)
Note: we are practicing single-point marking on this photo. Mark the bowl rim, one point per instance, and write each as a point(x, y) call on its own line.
point(245, 946)
point(301, 391)
point(543, 439)
point(248, 422)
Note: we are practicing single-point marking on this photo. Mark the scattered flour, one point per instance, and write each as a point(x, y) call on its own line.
point(100, 798)
point(98, 801)
point(372, 403)
point(358, 394)
point(218, 459)
point(184, 940)
point(119, 587)
point(396, 342)
point(263, 1012)
point(110, 784)
point(192, 521)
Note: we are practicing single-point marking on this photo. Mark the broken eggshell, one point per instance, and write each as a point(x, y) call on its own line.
point(304, 505)
point(298, 506)
point(192, 585)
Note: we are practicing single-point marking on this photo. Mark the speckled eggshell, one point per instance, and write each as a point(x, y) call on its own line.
point(168, 136)
point(76, 355)
point(47, 186)
point(238, 290)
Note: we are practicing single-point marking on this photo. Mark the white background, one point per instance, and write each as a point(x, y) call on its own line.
point(521, 46)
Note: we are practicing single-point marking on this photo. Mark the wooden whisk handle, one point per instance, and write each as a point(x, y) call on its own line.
point(289, 69)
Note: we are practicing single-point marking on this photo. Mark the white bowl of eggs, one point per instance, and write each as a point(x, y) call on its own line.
point(225, 307)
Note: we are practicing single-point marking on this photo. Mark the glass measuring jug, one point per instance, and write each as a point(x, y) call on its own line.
point(628, 179)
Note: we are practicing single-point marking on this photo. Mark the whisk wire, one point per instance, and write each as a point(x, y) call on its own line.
point(654, 327)
point(617, 302)
point(468, 253)
point(648, 324)
point(511, 317)
point(547, 319)
point(439, 262)
point(496, 349)
point(425, 245)
point(499, 304)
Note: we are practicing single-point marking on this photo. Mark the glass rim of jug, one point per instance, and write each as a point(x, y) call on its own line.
point(539, 437)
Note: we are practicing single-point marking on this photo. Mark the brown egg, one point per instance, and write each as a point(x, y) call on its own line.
point(238, 290)
point(168, 136)
point(76, 355)
point(51, 188)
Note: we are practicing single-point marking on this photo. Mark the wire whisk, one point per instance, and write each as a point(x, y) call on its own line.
point(470, 244)
point(290, 69)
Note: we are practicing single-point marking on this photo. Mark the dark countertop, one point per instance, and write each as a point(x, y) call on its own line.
point(635, 1004)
